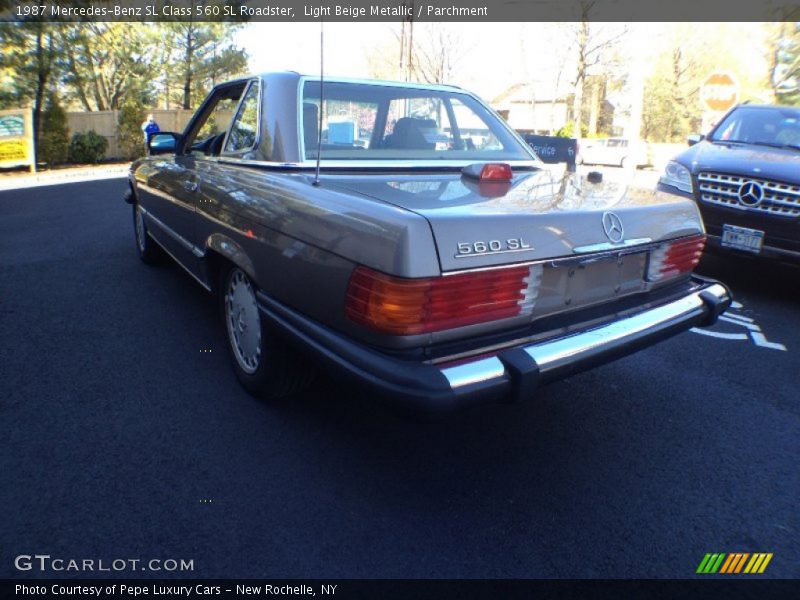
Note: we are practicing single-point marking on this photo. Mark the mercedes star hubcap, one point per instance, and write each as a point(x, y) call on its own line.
point(243, 321)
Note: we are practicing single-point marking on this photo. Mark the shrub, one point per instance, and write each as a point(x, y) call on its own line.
point(129, 130)
point(568, 130)
point(87, 147)
point(53, 144)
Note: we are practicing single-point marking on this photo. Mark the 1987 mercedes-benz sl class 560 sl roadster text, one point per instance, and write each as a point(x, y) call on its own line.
point(432, 256)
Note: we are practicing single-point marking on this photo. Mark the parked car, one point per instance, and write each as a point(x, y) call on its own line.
point(436, 268)
point(745, 177)
point(620, 152)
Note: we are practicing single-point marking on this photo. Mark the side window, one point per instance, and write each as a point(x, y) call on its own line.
point(208, 131)
point(245, 125)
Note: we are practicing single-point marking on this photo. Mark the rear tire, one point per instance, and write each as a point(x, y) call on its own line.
point(149, 251)
point(265, 365)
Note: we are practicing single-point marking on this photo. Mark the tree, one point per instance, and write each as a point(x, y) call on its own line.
point(784, 62)
point(436, 52)
point(54, 137)
point(593, 45)
point(105, 63)
point(129, 129)
point(681, 64)
point(196, 57)
point(29, 57)
point(423, 52)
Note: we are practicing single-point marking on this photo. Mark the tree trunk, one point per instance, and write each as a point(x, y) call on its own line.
point(77, 79)
point(594, 108)
point(43, 63)
point(187, 79)
point(580, 80)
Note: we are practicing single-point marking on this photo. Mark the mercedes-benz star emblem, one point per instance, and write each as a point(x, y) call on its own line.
point(751, 193)
point(612, 225)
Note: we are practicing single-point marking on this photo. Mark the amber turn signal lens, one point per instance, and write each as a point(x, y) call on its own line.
point(402, 306)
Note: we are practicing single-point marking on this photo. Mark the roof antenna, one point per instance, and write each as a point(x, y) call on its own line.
point(319, 126)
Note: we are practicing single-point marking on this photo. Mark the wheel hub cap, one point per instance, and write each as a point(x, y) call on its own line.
point(140, 229)
point(243, 322)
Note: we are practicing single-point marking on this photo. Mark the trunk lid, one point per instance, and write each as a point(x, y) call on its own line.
point(538, 215)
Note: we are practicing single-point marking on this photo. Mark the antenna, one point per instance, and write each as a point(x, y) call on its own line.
point(319, 126)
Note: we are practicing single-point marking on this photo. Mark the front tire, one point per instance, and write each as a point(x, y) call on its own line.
point(149, 251)
point(264, 364)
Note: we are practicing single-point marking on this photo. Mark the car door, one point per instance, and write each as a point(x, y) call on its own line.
point(162, 182)
point(203, 140)
point(221, 190)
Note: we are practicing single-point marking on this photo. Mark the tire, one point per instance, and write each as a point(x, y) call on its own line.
point(149, 251)
point(579, 160)
point(623, 163)
point(265, 365)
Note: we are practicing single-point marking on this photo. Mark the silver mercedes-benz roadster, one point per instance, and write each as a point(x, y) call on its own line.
point(403, 235)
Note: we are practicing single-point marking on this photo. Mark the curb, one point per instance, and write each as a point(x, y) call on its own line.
point(62, 177)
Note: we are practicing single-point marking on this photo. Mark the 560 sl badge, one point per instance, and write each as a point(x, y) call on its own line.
point(467, 249)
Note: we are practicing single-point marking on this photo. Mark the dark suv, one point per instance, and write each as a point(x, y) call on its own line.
point(745, 177)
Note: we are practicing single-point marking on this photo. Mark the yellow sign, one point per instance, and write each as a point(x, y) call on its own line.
point(16, 138)
point(13, 151)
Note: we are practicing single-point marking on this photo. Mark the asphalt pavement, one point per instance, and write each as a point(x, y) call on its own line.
point(126, 436)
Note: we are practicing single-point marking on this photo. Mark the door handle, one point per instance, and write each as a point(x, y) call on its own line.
point(190, 186)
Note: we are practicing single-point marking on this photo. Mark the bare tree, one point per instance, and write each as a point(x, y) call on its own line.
point(592, 45)
point(783, 48)
point(436, 51)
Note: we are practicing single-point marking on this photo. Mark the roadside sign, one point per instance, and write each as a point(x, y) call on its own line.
point(553, 150)
point(719, 92)
point(16, 138)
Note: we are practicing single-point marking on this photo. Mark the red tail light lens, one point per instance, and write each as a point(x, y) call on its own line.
point(410, 306)
point(675, 258)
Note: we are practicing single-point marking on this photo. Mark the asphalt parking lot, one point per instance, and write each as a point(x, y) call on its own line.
point(125, 435)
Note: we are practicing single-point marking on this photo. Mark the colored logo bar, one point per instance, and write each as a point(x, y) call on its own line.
point(734, 562)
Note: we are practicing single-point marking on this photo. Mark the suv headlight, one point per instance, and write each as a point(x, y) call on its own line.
point(677, 176)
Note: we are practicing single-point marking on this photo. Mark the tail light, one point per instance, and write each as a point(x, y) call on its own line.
point(410, 306)
point(675, 258)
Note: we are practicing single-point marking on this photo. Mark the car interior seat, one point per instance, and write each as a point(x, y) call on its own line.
point(215, 147)
point(408, 134)
point(310, 125)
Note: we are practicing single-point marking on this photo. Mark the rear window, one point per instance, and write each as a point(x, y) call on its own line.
point(375, 122)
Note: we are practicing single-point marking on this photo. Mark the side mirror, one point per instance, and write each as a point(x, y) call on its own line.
point(695, 138)
point(162, 143)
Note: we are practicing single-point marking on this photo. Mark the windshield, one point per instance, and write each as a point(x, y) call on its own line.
point(376, 122)
point(764, 126)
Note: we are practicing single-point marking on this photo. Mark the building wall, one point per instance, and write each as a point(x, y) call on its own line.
point(538, 117)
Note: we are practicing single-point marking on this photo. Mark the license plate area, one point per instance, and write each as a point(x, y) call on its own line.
point(583, 283)
point(742, 238)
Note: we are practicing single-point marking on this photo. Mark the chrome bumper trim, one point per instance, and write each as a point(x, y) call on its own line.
point(567, 352)
point(474, 372)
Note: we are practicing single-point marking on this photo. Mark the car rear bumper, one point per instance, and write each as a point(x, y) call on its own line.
point(512, 373)
point(780, 233)
point(714, 242)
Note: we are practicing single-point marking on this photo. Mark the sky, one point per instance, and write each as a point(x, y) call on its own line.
point(491, 60)
point(494, 56)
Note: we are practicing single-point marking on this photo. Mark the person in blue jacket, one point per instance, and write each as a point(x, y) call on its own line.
point(149, 128)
